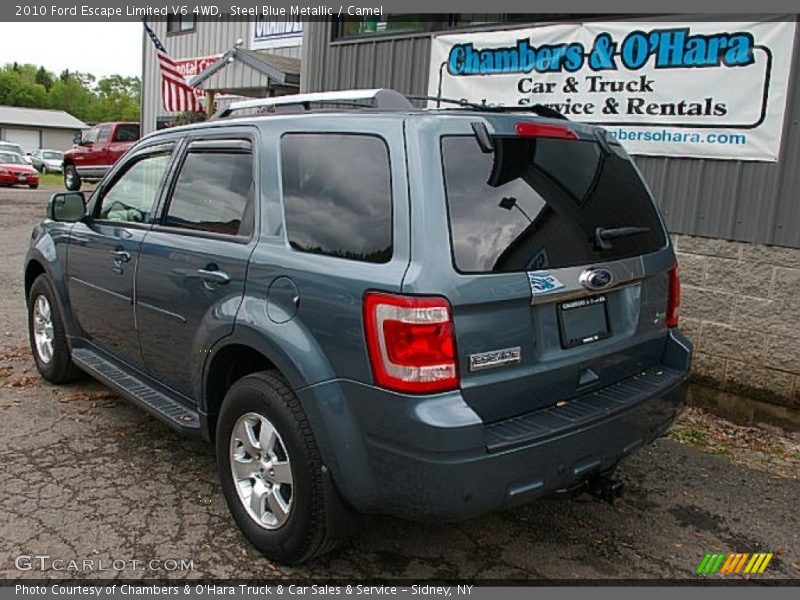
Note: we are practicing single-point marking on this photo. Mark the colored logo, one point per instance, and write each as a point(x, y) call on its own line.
point(543, 282)
point(596, 279)
point(732, 563)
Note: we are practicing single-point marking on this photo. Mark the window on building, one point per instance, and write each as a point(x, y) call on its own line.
point(355, 27)
point(352, 27)
point(337, 195)
point(180, 23)
point(214, 193)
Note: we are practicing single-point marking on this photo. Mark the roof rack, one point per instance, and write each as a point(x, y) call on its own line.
point(382, 98)
point(378, 98)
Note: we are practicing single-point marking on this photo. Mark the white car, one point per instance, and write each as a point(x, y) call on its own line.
point(48, 161)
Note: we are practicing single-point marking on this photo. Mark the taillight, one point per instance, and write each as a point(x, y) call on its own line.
point(411, 343)
point(674, 298)
point(543, 130)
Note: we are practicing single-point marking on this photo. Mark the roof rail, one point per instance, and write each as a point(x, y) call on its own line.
point(377, 98)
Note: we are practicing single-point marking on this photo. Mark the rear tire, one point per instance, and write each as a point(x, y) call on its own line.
point(33, 186)
point(72, 181)
point(285, 521)
point(47, 336)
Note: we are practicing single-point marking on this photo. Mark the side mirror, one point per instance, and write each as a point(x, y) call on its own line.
point(68, 207)
point(76, 139)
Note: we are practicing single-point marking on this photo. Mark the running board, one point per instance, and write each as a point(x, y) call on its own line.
point(158, 404)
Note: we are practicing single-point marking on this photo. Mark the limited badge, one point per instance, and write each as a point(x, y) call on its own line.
point(541, 283)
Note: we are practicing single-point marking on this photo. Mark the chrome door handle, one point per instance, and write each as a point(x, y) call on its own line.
point(120, 255)
point(219, 277)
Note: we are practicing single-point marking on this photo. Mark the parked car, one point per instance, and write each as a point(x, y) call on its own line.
point(47, 161)
point(15, 149)
point(425, 313)
point(15, 171)
point(95, 152)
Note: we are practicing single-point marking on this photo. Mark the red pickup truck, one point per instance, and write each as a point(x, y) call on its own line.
point(96, 150)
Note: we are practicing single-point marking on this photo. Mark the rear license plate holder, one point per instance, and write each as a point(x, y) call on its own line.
point(583, 321)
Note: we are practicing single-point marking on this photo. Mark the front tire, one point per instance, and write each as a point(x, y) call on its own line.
point(271, 470)
point(72, 181)
point(33, 186)
point(47, 336)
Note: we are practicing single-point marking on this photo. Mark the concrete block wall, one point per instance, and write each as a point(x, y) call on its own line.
point(741, 308)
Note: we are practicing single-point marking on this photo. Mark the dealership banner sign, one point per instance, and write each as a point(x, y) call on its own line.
point(700, 90)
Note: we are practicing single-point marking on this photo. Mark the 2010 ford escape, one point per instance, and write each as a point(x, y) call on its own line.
point(376, 308)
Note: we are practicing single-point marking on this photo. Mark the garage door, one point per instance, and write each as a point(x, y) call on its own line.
point(27, 138)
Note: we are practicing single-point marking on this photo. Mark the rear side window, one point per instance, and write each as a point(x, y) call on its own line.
point(549, 198)
point(337, 195)
point(214, 193)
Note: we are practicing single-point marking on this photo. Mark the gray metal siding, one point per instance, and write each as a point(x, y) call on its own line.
point(209, 38)
point(744, 201)
point(58, 139)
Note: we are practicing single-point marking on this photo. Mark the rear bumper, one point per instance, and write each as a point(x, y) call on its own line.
point(434, 459)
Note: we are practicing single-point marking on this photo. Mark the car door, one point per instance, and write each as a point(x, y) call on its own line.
point(191, 274)
point(99, 156)
point(104, 248)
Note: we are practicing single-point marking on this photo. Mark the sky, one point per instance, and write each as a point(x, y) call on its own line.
point(98, 48)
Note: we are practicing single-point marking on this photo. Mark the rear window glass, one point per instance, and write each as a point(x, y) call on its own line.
point(126, 133)
point(337, 195)
point(549, 198)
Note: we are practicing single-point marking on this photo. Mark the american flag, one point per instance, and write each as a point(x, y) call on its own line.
point(176, 94)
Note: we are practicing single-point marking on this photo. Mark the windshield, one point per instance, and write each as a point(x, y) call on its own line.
point(11, 148)
point(537, 203)
point(9, 158)
point(53, 156)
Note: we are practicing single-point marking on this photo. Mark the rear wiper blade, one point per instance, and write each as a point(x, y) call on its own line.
point(602, 235)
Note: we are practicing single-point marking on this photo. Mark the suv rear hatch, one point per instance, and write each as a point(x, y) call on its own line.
point(562, 262)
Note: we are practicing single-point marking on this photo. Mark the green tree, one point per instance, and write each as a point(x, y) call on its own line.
point(112, 98)
point(44, 78)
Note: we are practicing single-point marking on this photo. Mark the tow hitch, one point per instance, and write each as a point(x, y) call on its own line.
point(605, 488)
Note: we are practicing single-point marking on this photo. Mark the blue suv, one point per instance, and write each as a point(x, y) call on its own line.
point(370, 307)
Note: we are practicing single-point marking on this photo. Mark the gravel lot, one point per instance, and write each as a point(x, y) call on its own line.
point(87, 476)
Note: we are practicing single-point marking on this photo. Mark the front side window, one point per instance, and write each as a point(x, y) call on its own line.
point(90, 137)
point(337, 195)
point(132, 196)
point(214, 193)
point(104, 134)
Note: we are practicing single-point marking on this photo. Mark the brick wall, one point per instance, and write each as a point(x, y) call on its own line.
point(741, 308)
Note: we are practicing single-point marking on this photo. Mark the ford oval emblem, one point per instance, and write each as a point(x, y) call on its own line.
point(596, 279)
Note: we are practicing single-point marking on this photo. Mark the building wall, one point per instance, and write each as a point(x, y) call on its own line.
point(741, 308)
point(58, 139)
point(53, 139)
point(209, 38)
point(737, 225)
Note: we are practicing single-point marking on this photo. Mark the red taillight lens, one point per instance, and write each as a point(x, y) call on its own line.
point(411, 344)
point(543, 130)
point(674, 298)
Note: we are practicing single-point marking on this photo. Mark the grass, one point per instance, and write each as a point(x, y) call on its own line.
point(52, 180)
point(757, 446)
